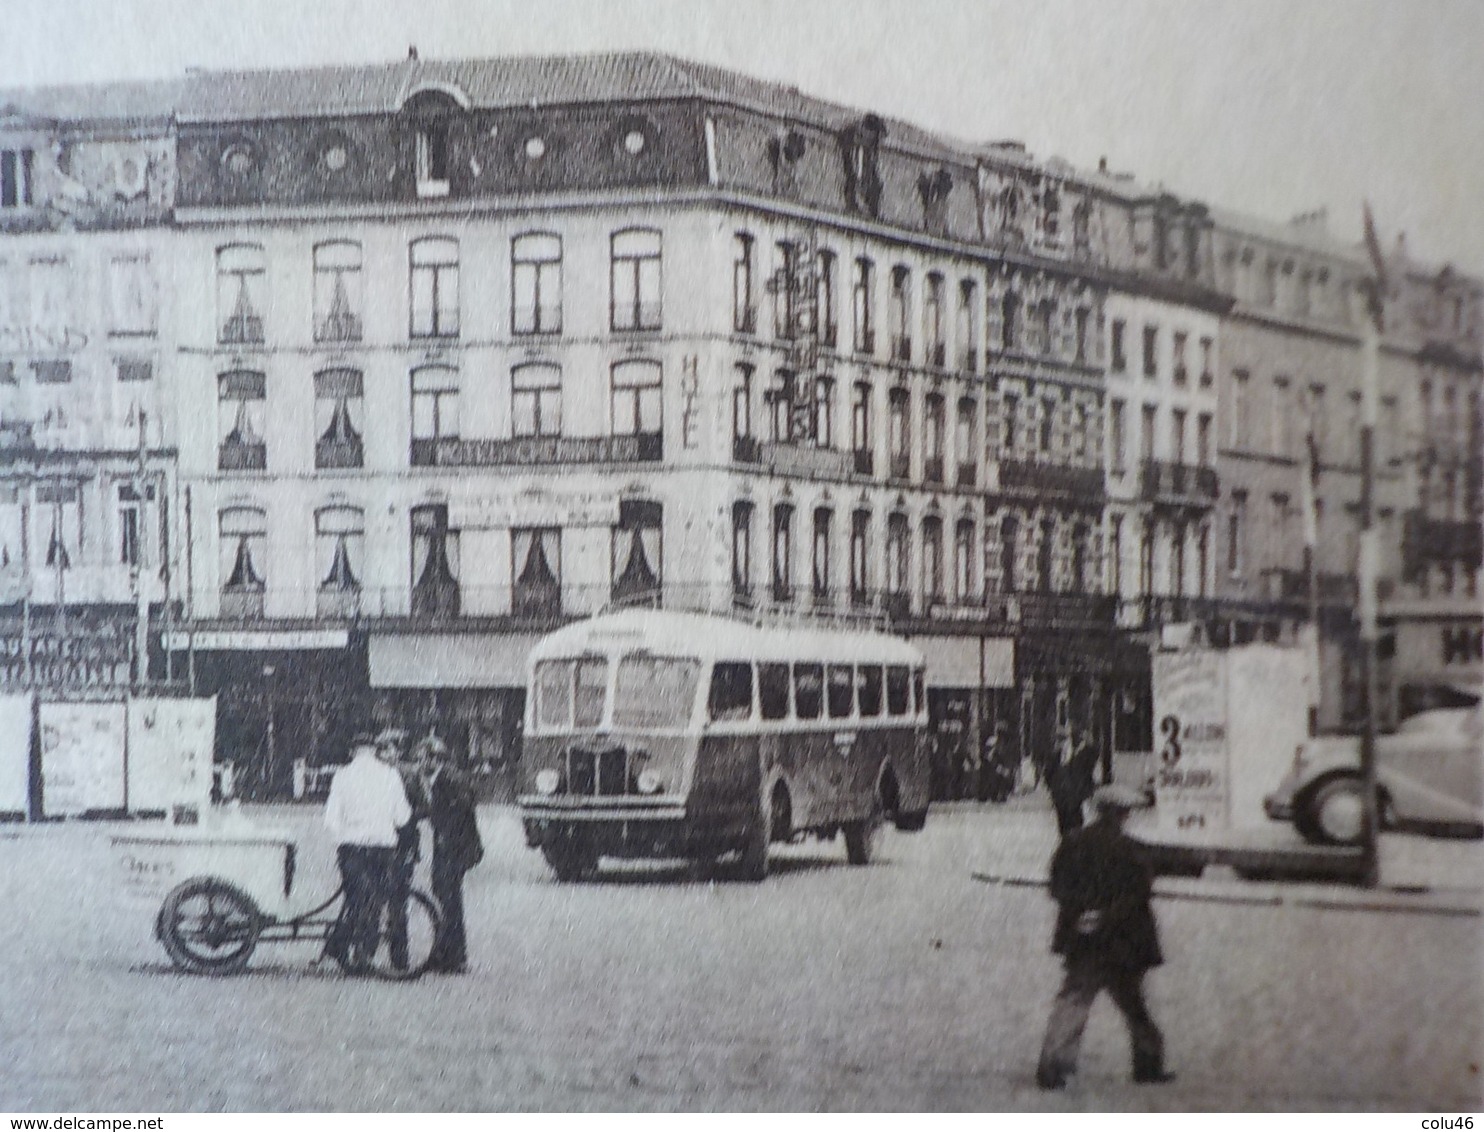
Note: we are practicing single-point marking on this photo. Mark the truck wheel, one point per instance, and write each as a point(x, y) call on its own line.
point(1337, 811)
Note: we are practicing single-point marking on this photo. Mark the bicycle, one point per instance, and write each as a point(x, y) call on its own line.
point(210, 926)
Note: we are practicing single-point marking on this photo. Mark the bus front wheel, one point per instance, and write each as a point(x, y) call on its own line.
point(861, 839)
point(771, 814)
point(571, 858)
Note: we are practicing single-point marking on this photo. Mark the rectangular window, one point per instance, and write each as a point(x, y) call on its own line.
point(868, 690)
point(963, 561)
point(536, 570)
point(434, 268)
point(824, 412)
point(783, 552)
point(131, 522)
point(863, 300)
point(823, 536)
point(1240, 400)
point(339, 538)
point(634, 280)
point(1279, 435)
point(840, 691)
point(1146, 441)
point(1235, 532)
point(968, 326)
point(15, 177)
point(435, 411)
point(742, 550)
point(772, 690)
point(744, 308)
point(241, 397)
point(432, 161)
point(1207, 372)
point(1177, 435)
point(742, 411)
point(827, 315)
point(1115, 554)
point(933, 427)
point(435, 563)
point(1117, 434)
point(1047, 424)
point(932, 320)
point(1318, 424)
point(1181, 372)
point(536, 284)
point(860, 423)
point(785, 288)
point(241, 284)
point(899, 438)
point(636, 399)
point(133, 296)
point(1203, 440)
point(339, 418)
point(338, 297)
point(243, 556)
point(730, 697)
point(898, 689)
point(1118, 358)
point(1151, 351)
point(966, 442)
point(1010, 419)
point(860, 543)
point(536, 400)
point(809, 690)
point(1080, 320)
point(899, 312)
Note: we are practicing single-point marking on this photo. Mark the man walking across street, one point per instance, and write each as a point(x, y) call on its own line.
point(1071, 783)
point(1106, 934)
point(366, 806)
point(457, 848)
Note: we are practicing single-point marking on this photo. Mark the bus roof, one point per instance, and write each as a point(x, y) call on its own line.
point(710, 638)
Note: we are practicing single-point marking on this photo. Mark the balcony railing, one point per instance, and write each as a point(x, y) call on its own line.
point(804, 460)
point(451, 452)
point(1066, 610)
point(1165, 481)
point(1426, 540)
point(347, 453)
point(1034, 476)
point(242, 457)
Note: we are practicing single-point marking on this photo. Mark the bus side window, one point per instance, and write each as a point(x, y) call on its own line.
point(898, 689)
point(731, 691)
point(841, 694)
point(808, 690)
point(919, 698)
point(772, 690)
point(868, 689)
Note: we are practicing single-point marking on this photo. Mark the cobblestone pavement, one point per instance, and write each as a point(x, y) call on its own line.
point(904, 985)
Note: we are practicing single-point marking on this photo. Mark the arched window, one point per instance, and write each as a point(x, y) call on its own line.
point(536, 284)
point(634, 280)
point(783, 551)
point(638, 543)
point(434, 287)
point(339, 542)
point(242, 560)
point(742, 516)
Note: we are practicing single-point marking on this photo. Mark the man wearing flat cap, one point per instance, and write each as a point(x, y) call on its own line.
point(366, 807)
point(457, 848)
point(1105, 933)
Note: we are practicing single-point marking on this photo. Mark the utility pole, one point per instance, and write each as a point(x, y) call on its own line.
point(1368, 566)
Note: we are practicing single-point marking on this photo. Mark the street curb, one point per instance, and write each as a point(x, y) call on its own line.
point(1401, 899)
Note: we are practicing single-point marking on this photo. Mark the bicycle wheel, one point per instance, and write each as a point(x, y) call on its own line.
point(406, 954)
point(209, 927)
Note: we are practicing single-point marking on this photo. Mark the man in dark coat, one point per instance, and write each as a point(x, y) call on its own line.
point(456, 849)
point(1071, 784)
point(1106, 934)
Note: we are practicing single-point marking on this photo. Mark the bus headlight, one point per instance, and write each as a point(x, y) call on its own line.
point(649, 782)
point(547, 781)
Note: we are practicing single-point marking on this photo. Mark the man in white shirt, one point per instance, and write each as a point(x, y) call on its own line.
point(366, 806)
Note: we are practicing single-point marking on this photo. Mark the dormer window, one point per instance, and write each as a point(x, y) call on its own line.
point(15, 177)
point(432, 160)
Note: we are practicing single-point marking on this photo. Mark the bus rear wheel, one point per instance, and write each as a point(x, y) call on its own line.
point(771, 818)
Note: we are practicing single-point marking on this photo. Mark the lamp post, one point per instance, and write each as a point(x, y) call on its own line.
point(1368, 566)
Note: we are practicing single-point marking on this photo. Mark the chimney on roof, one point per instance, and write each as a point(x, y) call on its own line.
point(412, 53)
point(1103, 164)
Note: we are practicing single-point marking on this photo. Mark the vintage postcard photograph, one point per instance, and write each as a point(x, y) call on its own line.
point(741, 556)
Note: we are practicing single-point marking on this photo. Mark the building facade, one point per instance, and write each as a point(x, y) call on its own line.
point(444, 354)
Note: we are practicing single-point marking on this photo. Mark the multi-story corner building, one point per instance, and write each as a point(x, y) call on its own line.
point(467, 349)
point(86, 441)
point(1290, 460)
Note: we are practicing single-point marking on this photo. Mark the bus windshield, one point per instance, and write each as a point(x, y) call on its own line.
point(569, 693)
point(654, 692)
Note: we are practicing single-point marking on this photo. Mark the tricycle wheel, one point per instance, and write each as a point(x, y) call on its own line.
point(209, 927)
point(406, 943)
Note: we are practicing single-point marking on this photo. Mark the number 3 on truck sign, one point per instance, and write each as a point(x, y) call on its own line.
point(1191, 771)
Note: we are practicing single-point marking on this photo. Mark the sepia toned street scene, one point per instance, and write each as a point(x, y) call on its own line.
point(602, 579)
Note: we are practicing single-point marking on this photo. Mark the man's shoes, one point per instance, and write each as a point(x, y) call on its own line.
point(1050, 1081)
point(1158, 1077)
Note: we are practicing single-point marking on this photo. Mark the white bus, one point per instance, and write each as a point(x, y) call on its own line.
point(657, 734)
